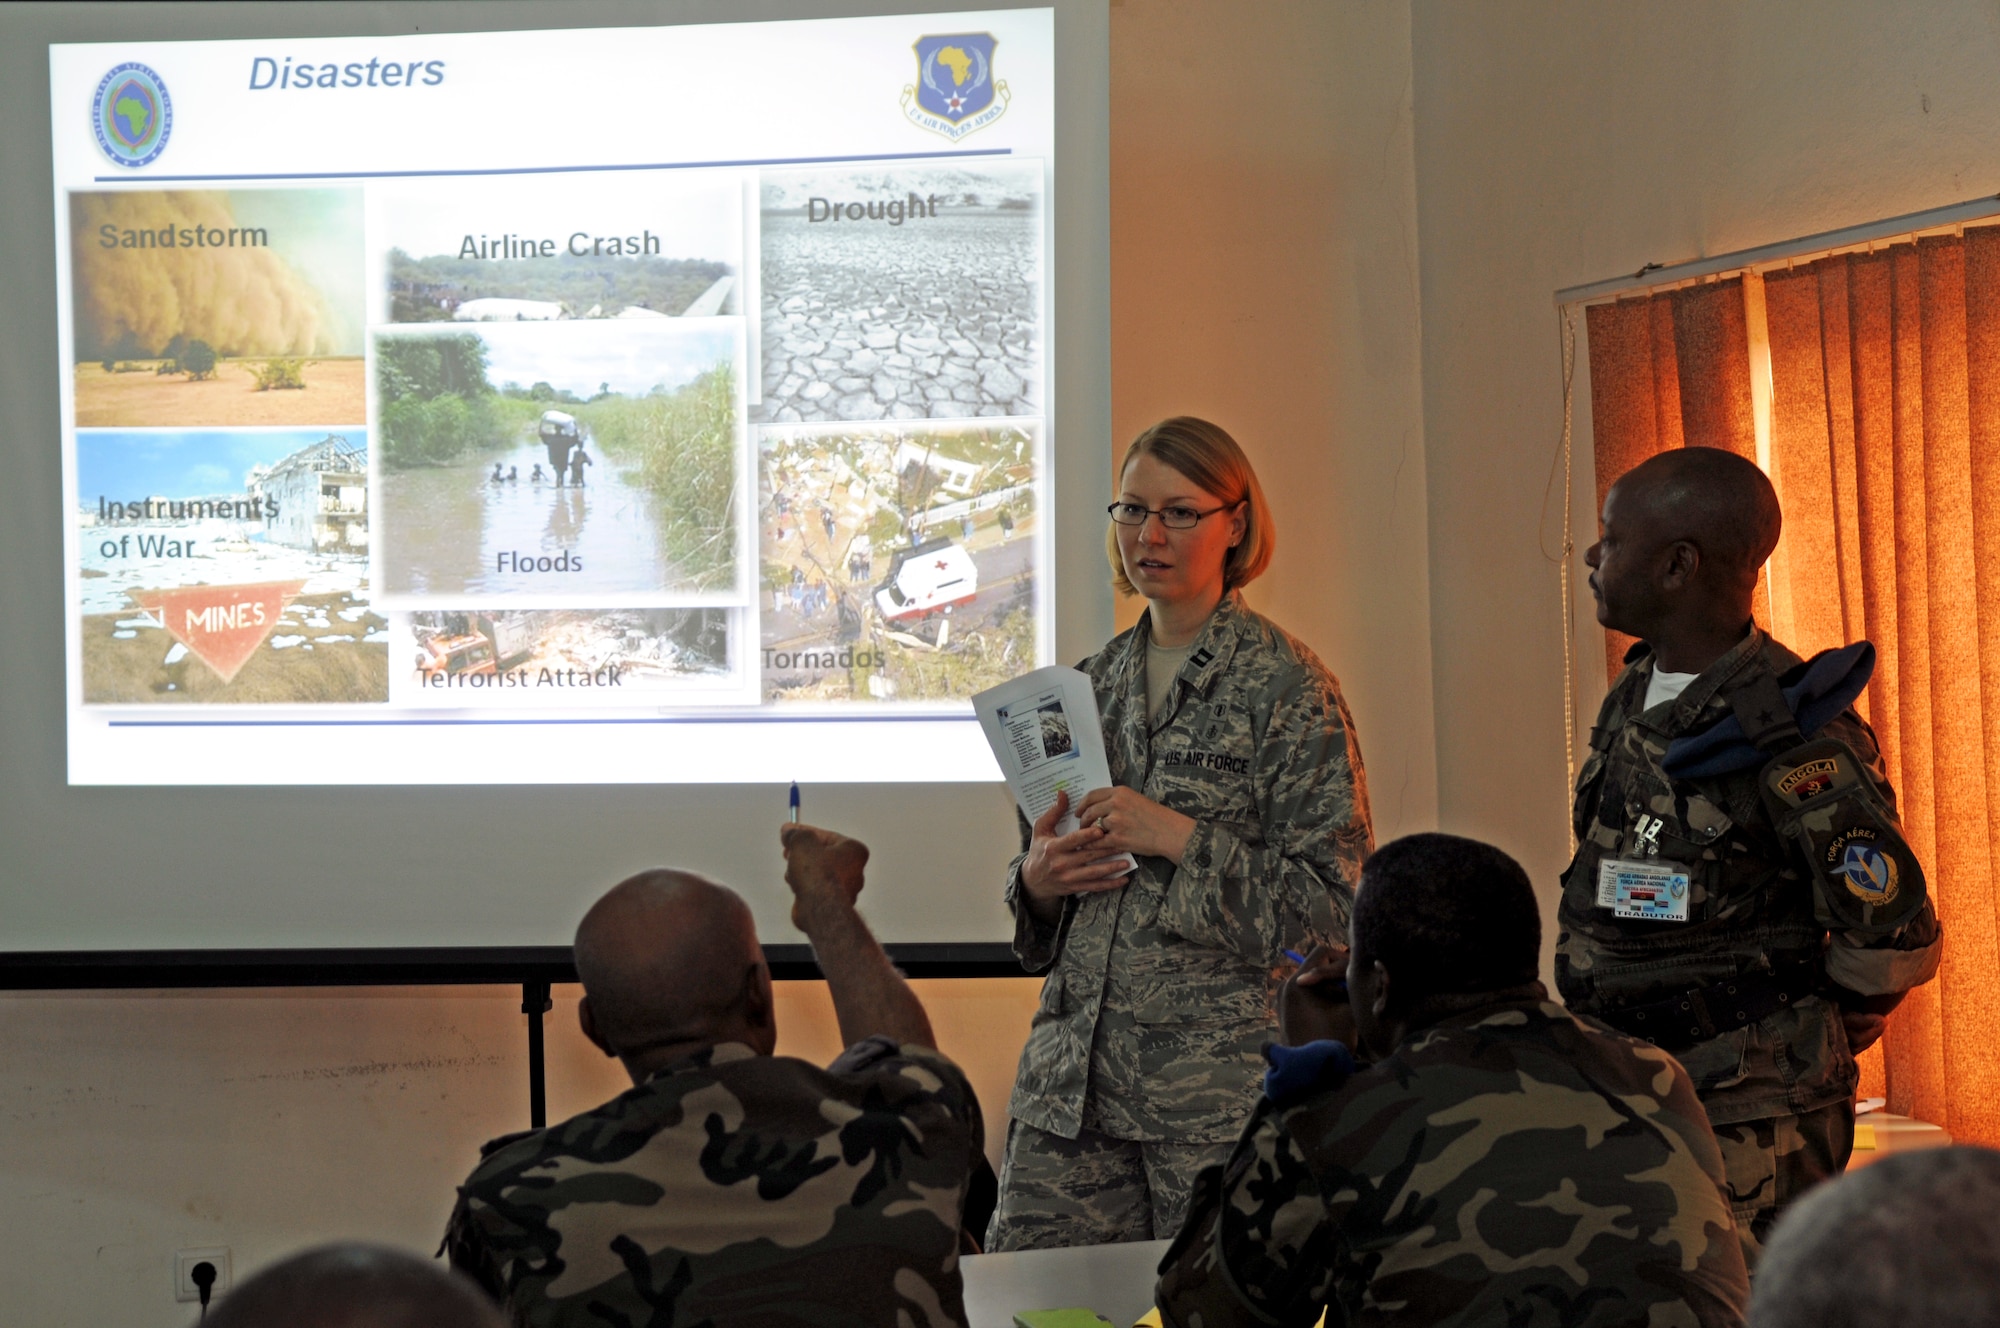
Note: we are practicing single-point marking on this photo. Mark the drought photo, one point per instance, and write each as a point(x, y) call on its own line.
point(227, 567)
point(554, 247)
point(217, 307)
point(898, 562)
point(572, 656)
point(903, 292)
point(583, 459)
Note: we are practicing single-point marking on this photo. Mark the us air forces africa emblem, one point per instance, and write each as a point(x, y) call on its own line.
point(1858, 860)
point(955, 92)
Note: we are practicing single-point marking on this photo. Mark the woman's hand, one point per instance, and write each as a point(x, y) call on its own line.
point(1312, 1003)
point(1133, 823)
point(1071, 864)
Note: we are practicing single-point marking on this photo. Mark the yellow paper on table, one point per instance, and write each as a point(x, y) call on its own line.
point(1864, 1135)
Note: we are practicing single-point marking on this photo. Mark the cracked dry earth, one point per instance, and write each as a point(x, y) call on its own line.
point(933, 319)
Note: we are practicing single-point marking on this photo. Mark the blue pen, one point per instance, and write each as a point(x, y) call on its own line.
point(1338, 984)
point(795, 802)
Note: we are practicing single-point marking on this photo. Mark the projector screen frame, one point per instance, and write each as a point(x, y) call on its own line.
point(1079, 267)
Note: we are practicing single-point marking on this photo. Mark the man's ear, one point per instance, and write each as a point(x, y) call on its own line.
point(1683, 565)
point(588, 1023)
point(760, 1007)
point(1380, 1005)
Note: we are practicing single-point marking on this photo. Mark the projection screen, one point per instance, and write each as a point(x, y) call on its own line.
point(458, 460)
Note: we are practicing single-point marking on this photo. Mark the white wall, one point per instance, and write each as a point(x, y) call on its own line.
point(1264, 275)
point(137, 1123)
point(1564, 141)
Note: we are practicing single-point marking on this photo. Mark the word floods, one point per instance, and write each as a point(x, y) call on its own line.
point(221, 626)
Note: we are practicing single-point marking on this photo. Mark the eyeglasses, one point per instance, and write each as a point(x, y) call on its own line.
point(1173, 518)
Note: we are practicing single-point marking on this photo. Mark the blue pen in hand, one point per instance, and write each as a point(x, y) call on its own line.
point(1338, 984)
point(795, 802)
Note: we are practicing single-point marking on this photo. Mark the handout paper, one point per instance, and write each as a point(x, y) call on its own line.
point(1044, 731)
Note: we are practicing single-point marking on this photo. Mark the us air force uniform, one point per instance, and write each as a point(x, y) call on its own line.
point(1143, 1060)
point(1740, 878)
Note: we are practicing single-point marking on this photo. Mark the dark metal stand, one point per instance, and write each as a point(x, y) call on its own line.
point(535, 1003)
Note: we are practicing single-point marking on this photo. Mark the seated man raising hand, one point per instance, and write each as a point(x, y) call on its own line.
point(731, 1185)
point(1503, 1162)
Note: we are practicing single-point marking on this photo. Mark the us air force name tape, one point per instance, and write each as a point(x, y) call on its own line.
point(1865, 875)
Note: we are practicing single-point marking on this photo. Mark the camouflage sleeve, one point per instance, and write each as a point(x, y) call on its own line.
point(1257, 1246)
point(1312, 800)
point(1036, 943)
point(1880, 968)
point(947, 1093)
point(469, 1254)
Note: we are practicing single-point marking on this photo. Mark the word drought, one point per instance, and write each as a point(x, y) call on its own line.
point(894, 211)
point(581, 244)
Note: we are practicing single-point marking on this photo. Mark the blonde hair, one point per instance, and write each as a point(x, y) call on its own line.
point(1209, 457)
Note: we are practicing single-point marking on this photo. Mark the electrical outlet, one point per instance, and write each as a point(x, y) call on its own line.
point(184, 1262)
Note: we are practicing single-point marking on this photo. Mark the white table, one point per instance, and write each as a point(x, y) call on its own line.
point(1895, 1134)
point(1115, 1280)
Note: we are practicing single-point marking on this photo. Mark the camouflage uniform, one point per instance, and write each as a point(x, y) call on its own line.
point(1511, 1164)
point(1779, 1089)
point(736, 1188)
point(1158, 996)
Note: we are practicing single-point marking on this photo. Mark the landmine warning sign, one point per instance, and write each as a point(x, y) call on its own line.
point(221, 626)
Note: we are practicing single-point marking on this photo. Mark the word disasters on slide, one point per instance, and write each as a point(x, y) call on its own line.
point(722, 454)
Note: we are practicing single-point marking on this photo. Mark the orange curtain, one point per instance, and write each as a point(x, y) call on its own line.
point(1667, 370)
point(1885, 447)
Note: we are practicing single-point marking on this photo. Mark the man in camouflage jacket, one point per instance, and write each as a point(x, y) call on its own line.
point(732, 1186)
point(1761, 982)
point(1158, 996)
point(1505, 1162)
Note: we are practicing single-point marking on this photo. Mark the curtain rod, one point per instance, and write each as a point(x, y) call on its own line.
point(1654, 275)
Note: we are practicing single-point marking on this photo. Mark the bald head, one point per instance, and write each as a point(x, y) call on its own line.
point(1685, 533)
point(1907, 1240)
point(355, 1286)
point(668, 959)
point(1716, 500)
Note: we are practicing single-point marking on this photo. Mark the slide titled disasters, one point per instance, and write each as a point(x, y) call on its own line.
point(748, 431)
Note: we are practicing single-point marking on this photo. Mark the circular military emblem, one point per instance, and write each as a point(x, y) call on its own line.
point(1857, 859)
point(131, 114)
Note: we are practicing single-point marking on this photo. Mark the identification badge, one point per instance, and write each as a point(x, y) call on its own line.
point(1646, 889)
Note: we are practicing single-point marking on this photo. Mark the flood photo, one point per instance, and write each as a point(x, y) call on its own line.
point(555, 247)
point(214, 307)
point(572, 656)
point(898, 563)
point(902, 292)
point(227, 568)
point(557, 461)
